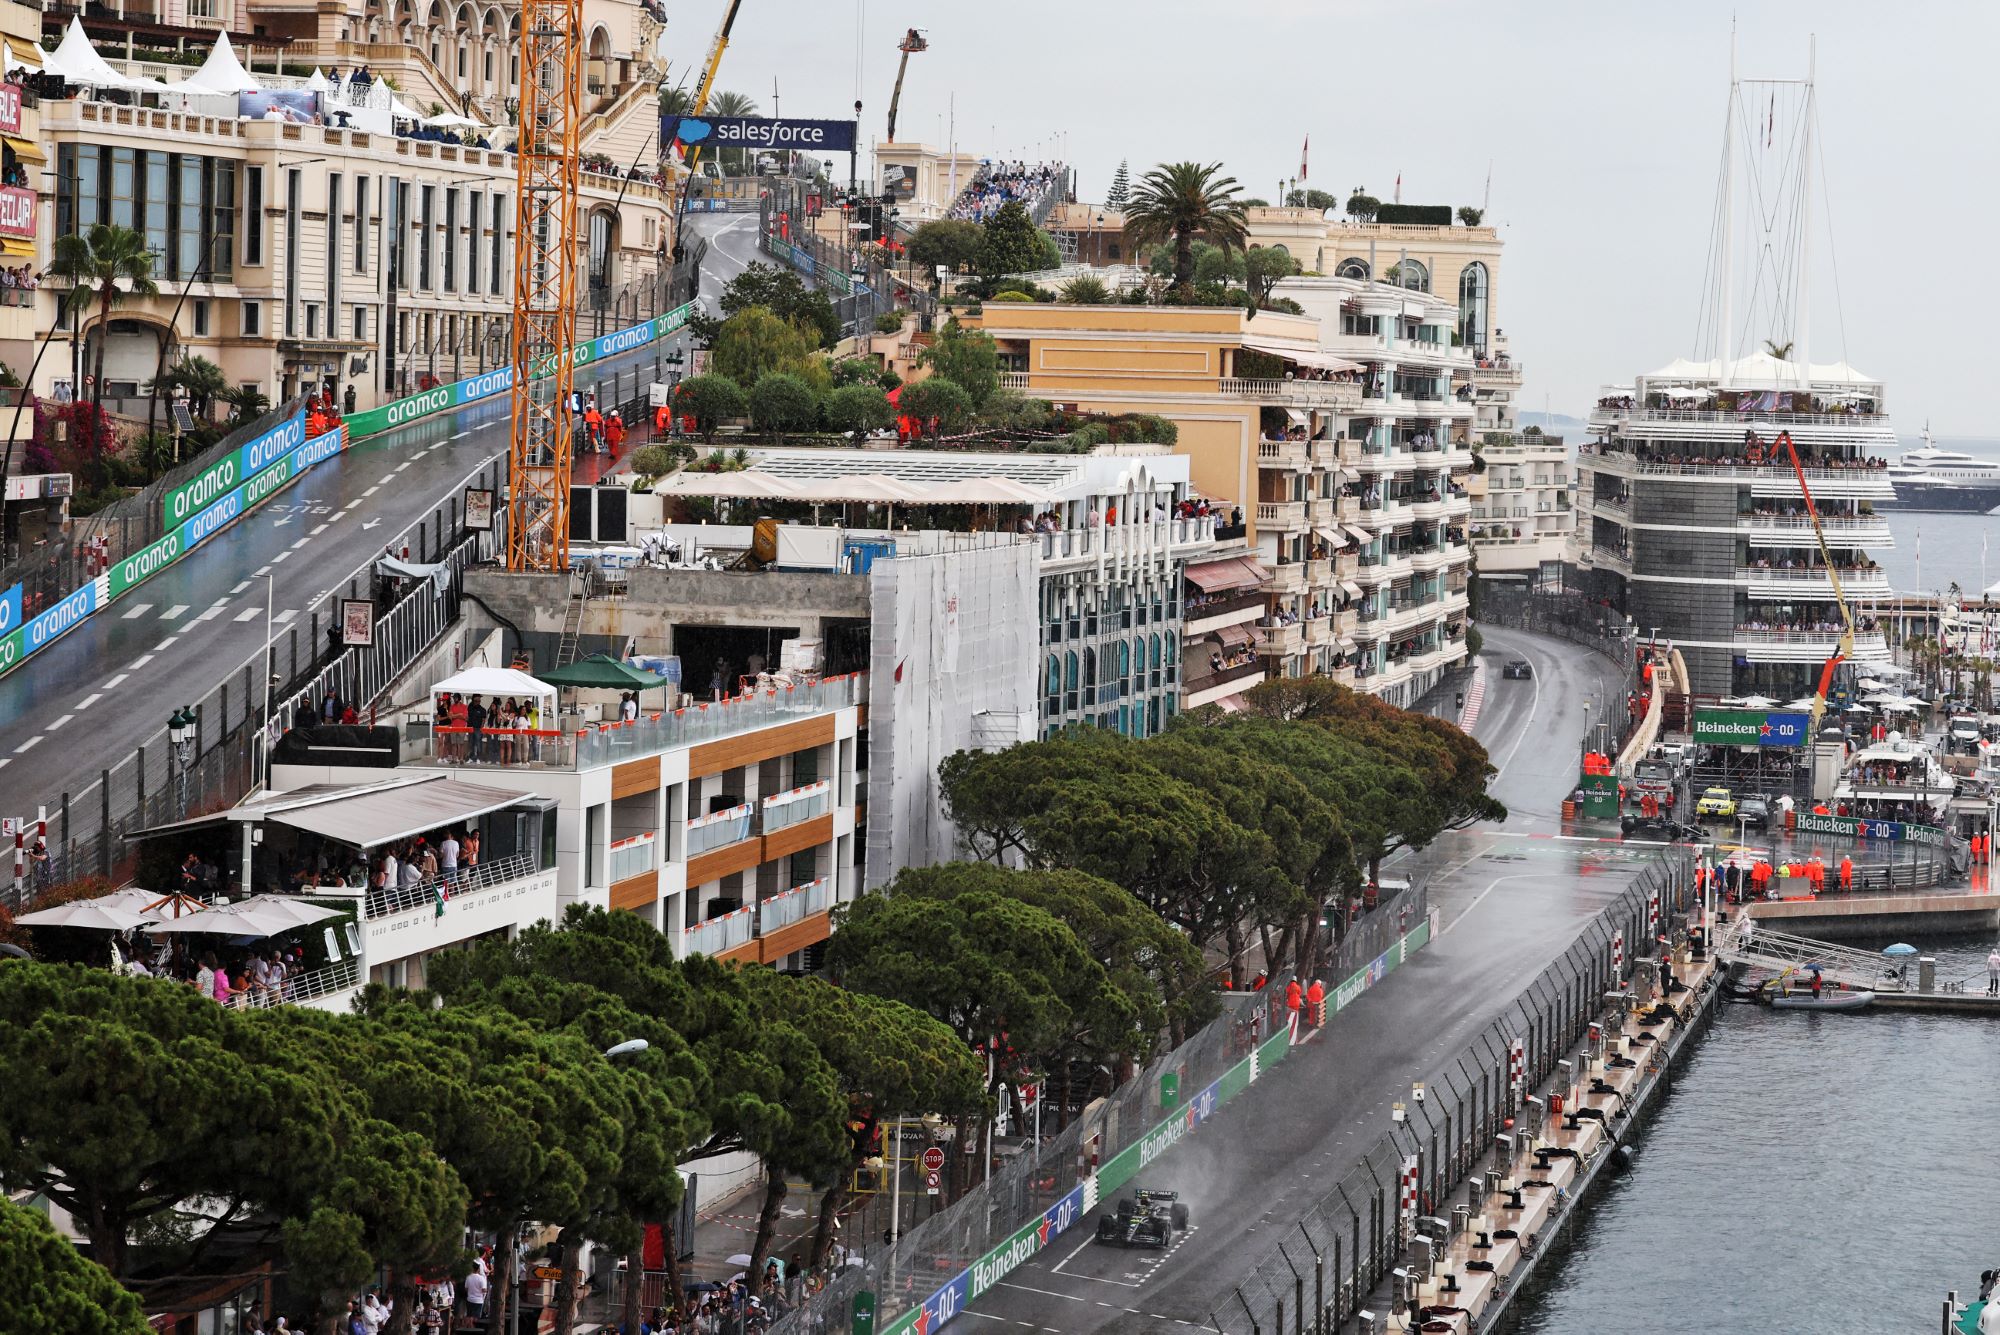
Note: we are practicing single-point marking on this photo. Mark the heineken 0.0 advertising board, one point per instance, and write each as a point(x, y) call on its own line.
point(1750, 727)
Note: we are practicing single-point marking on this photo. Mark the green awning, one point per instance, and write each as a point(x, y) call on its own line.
point(604, 671)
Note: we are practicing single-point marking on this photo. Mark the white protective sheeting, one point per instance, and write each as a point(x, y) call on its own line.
point(948, 671)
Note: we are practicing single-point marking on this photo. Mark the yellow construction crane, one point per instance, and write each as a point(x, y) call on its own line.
point(913, 41)
point(1846, 647)
point(551, 112)
point(701, 94)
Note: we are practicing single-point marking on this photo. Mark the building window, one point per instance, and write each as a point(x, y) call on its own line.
point(293, 188)
point(157, 189)
point(1472, 288)
point(425, 221)
point(189, 234)
point(499, 241)
point(221, 185)
point(472, 219)
point(332, 249)
point(253, 319)
point(253, 215)
point(1356, 269)
point(312, 319)
point(360, 322)
point(361, 224)
point(1410, 274)
point(450, 239)
point(200, 319)
point(201, 9)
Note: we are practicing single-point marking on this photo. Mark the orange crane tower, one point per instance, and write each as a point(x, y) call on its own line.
point(544, 284)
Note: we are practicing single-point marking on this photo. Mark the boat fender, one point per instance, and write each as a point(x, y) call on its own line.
point(1621, 1158)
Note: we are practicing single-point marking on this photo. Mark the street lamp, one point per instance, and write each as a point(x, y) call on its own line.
point(270, 663)
point(627, 1048)
point(180, 743)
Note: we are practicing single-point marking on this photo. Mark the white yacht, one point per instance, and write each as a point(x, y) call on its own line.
point(1931, 479)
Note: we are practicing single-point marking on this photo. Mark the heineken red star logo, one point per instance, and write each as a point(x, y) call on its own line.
point(1764, 728)
point(1042, 1230)
point(1861, 828)
point(923, 1319)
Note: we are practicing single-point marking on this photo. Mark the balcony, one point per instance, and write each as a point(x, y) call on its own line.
point(1161, 538)
point(635, 855)
point(1326, 394)
point(1281, 516)
point(1426, 560)
point(1496, 375)
point(797, 806)
point(1287, 454)
point(1797, 530)
point(442, 911)
point(1286, 577)
point(1319, 573)
point(1230, 679)
point(1233, 609)
point(1860, 483)
point(1319, 631)
point(1322, 511)
point(331, 987)
point(1763, 644)
point(1280, 639)
point(648, 735)
point(1812, 582)
point(720, 829)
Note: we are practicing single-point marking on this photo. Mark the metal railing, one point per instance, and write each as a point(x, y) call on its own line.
point(733, 929)
point(322, 982)
point(456, 884)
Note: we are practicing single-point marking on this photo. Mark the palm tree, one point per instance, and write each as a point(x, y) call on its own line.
point(94, 264)
point(732, 104)
point(1781, 351)
point(1186, 202)
point(68, 305)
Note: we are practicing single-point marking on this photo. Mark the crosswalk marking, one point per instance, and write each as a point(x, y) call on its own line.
point(287, 615)
point(138, 610)
point(173, 611)
point(249, 614)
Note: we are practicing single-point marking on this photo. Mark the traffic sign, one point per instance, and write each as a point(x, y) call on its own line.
point(931, 1182)
point(548, 1272)
point(933, 1159)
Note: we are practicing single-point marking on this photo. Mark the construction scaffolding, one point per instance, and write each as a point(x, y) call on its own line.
point(544, 284)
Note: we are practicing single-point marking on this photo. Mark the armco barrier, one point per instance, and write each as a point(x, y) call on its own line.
point(965, 1287)
point(445, 398)
point(280, 454)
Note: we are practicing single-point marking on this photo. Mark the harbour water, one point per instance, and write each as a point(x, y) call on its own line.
point(1808, 1173)
point(1951, 542)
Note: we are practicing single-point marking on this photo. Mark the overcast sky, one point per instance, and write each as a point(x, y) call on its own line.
point(1602, 124)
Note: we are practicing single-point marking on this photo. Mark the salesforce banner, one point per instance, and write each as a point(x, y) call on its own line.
point(759, 132)
point(280, 454)
point(442, 398)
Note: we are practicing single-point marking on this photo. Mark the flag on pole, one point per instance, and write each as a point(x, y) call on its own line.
point(1399, 187)
point(1304, 151)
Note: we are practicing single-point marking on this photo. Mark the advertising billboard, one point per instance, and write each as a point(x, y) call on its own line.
point(1750, 727)
point(758, 132)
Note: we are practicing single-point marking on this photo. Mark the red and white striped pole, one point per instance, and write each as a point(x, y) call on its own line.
point(20, 858)
point(1618, 956)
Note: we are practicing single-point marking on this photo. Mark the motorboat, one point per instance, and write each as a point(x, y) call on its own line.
point(1827, 1000)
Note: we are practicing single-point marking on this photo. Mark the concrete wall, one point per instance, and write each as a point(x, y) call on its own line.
point(658, 600)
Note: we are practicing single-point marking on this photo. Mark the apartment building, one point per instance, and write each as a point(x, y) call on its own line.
point(1336, 443)
point(294, 255)
point(1517, 536)
point(730, 826)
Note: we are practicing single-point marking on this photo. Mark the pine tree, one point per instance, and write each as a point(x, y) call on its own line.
point(1121, 187)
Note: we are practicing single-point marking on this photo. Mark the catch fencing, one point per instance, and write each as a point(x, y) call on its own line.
point(948, 1260)
point(1323, 1266)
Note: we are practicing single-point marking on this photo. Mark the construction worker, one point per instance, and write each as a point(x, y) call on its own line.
point(1846, 872)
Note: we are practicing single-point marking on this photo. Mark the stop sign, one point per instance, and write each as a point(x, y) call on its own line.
point(933, 1159)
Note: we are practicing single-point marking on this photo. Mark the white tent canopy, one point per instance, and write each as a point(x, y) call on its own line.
point(317, 81)
point(452, 121)
point(494, 681)
point(77, 61)
point(222, 72)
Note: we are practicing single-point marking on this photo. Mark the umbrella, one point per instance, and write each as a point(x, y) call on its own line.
point(602, 670)
point(86, 913)
point(1899, 949)
point(741, 1258)
point(280, 907)
point(175, 905)
point(253, 917)
point(1756, 702)
point(454, 121)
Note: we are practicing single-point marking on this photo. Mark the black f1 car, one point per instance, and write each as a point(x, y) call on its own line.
point(1144, 1219)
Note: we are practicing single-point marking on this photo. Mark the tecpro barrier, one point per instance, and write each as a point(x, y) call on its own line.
point(445, 398)
point(197, 510)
